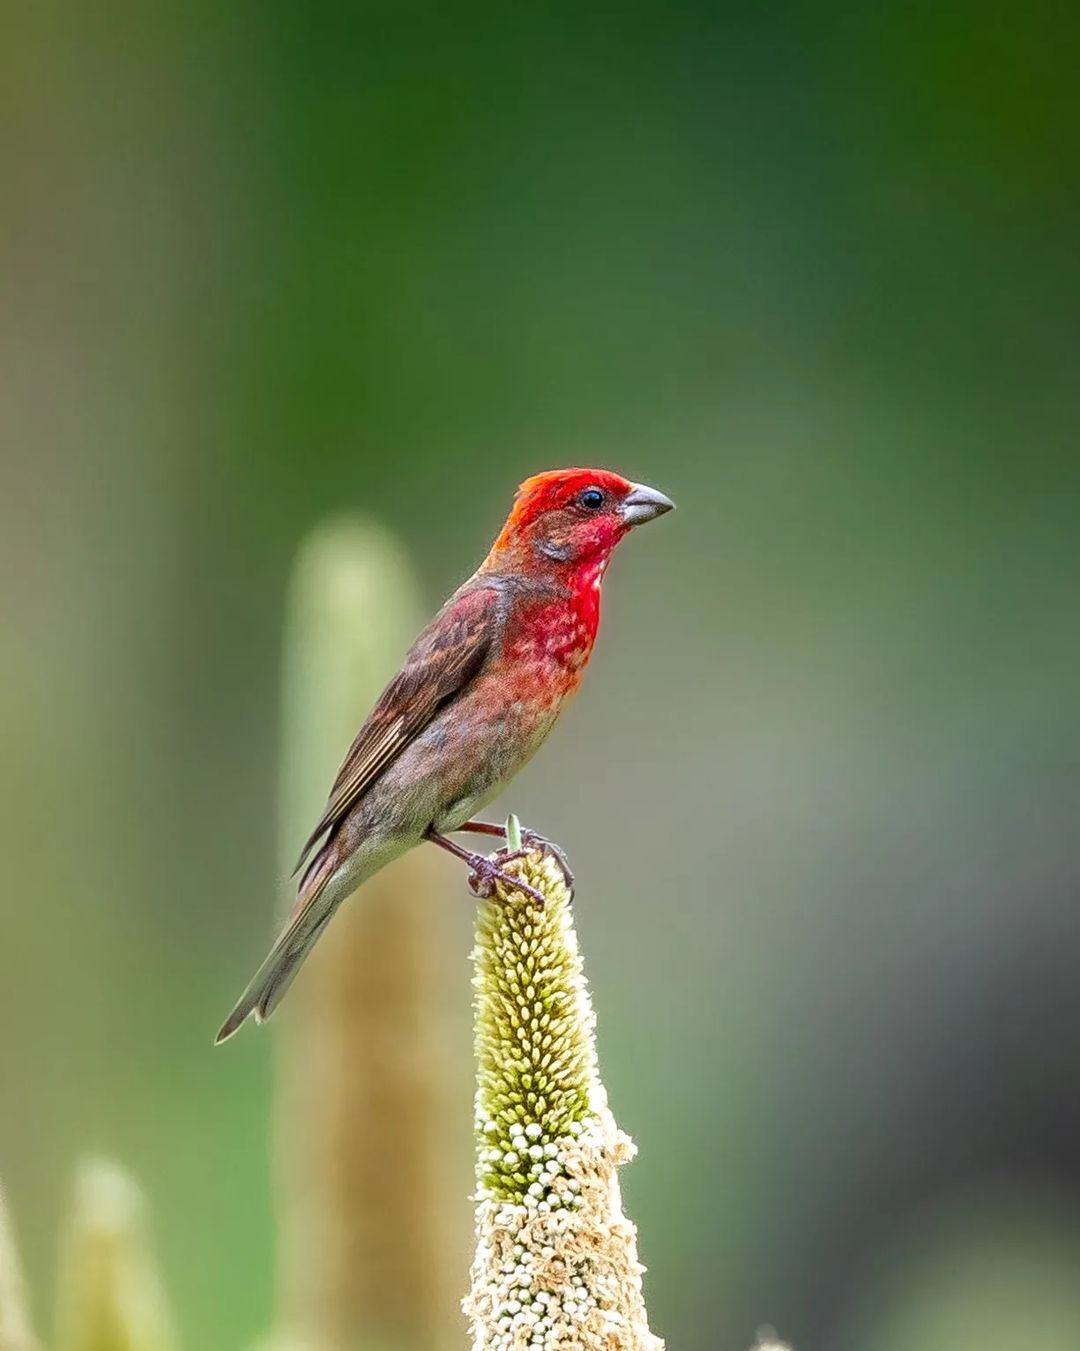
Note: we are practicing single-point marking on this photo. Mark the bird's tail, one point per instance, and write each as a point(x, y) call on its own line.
point(310, 915)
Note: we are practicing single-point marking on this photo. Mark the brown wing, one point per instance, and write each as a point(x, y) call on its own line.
point(440, 663)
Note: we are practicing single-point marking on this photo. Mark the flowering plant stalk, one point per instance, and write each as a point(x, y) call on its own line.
point(556, 1262)
point(110, 1296)
point(366, 1220)
point(16, 1332)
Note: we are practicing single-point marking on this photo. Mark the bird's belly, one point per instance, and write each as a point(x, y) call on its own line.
point(464, 757)
point(486, 783)
point(484, 748)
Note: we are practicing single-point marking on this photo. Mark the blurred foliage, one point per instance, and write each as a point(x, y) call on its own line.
point(811, 270)
point(109, 1294)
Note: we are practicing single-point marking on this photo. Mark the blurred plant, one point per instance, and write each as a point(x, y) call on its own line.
point(556, 1259)
point(367, 1205)
point(767, 1340)
point(109, 1295)
point(16, 1331)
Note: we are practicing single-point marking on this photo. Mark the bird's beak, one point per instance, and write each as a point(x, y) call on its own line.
point(644, 504)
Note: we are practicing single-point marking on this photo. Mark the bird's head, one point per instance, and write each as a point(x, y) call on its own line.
point(575, 516)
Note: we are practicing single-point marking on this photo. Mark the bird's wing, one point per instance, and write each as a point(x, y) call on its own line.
point(440, 663)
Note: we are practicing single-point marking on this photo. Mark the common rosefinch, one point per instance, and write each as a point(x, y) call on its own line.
point(479, 691)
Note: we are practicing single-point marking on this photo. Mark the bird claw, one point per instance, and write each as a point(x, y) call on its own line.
point(486, 872)
point(532, 841)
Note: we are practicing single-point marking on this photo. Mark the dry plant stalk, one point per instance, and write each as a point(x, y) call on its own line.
point(16, 1331)
point(556, 1262)
point(367, 1202)
point(109, 1295)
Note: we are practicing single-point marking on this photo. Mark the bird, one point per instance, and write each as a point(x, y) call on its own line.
point(476, 696)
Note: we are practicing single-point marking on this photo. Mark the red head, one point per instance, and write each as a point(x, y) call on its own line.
point(573, 516)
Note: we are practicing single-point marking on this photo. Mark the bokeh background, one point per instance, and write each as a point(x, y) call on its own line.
point(813, 271)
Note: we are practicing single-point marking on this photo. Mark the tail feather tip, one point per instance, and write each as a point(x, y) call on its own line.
point(230, 1026)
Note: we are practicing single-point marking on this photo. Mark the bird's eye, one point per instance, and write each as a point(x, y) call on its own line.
point(592, 499)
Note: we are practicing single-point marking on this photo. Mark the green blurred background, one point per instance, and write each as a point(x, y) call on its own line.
point(813, 271)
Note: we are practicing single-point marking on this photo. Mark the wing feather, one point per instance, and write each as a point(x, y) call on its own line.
point(441, 662)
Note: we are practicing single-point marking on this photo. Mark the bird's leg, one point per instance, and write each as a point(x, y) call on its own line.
point(529, 840)
point(483, 828)
point(485, 872)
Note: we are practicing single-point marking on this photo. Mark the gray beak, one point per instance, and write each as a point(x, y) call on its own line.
point(644, 504)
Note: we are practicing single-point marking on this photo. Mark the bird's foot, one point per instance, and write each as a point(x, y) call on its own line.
point(485, 872)
point(531, 841)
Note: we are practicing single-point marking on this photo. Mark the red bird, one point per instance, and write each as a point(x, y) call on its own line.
point(479, 691)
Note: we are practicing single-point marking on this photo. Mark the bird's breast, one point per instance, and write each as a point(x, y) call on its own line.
point(480, 742)
point(549, 642)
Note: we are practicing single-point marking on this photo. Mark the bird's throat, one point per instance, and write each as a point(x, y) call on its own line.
point(557, 632)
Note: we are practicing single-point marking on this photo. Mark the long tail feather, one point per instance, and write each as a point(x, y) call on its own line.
point(267, 987)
